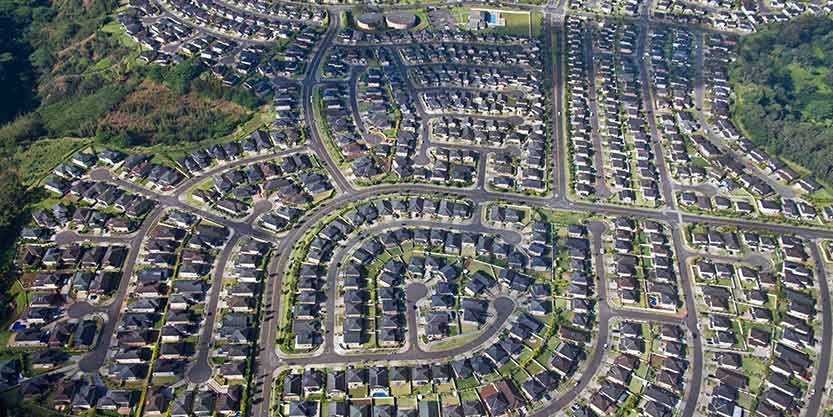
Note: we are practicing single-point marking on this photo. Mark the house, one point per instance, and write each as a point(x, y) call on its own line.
point(229, 402)
point(117, 401)
point(157, 401)
point(500, 398)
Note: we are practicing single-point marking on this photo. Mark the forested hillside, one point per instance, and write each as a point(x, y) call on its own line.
point(69, 75)
point(66, 71)
point(783, 79)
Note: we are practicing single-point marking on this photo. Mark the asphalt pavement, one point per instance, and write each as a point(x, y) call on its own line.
point(267, 361)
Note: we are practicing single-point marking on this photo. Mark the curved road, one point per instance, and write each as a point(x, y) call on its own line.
point(344, 250)
point(267, 360)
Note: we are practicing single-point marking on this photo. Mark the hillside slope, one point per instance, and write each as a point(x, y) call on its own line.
point(783, 79)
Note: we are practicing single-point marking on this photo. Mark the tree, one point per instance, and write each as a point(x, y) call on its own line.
point(180, 76)
point(785, 88)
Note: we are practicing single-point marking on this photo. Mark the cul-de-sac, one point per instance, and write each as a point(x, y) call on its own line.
point(444, 208)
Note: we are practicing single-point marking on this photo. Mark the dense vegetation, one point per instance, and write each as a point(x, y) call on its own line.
point(67, 71)
point(68, 77)
point(783, 78)
point(153, 113)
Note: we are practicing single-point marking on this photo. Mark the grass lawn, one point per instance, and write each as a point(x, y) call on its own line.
point(115, 28)
point(519, 376)
point(700, 162)
point(754, 369)
point(635, 386)
point(532, 343)
point(507, 368)
point(534, 368)
point(476, 265)
point(22, 299)
point(358, 392)
point(400, 390)
point(553, 343)
point(453, 342)
point(322, 196)
point(385, 401)
point(406, 402)
point(422, 390)
point(286, 304)
point(545, 356)
point(746, 400)
point(441, 388)
point(519, 23)
point(527, 353)
point(563, 217)
point(822, 196)
point(394, 251)
point(204, 185)
point(642, 371)
point(469, 395)
point(466, 383)
point(522, 24)
point(422, 20)
point(449, 399)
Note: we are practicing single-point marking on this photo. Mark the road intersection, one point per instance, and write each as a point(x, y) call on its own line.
point(268, 362)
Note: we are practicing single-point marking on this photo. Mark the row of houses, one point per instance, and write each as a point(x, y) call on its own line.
point(401, 137)
point(481, 78)
point(644, 264)
point(744, 17)
point(375, 99)
point(338, 115)
point(478, 131)
point(340, 60)
point(44, 322)
point(718, 57)
point(496, 399)
point(439, 267)
point(672, 71)
point(630, 165)
point(768, 314)
point(285, 11)
point(98, 219)
point(659, 391)
point(164, 309)
point(526, 55)
point(239, 295)
point(233, 21)
point(155, 35)
point(294, 179)
point(484, 102)
point(98, 207)
point(609, 7)
point(308, 285)
point(73, 256)
point(585, 172)
point(449, 166)
point(388, 321)
point(352, 387)
point(348, 36)
point(138, 167)
point(778, 393)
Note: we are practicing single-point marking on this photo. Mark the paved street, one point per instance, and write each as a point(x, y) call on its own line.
point(201, 369)
point(93, 360)
point(269, 359)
